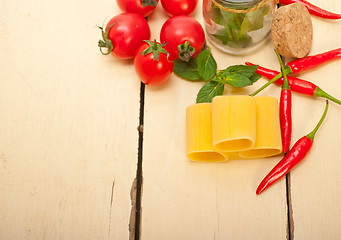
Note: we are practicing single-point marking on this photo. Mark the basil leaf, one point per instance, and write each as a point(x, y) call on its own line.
point(187, 70)
point(238, 80)
point(207, 66)
point(209, 91)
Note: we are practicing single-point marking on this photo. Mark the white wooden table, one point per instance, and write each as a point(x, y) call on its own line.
point(71, 155)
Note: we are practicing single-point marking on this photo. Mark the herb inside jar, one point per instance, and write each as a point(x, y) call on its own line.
point(236, 27)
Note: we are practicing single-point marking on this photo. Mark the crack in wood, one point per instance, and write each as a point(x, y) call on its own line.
point(132, 220)
point(111, 202)
point(136, 190)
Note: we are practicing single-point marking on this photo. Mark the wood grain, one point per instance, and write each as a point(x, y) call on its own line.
point(69, 140)
point(68, 124)
point(190, 200)
point(315, 183)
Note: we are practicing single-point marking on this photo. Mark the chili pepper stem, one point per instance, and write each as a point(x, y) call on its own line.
point(285, 83)
point(312, 134)
point(296, 154)
point(320, 93)
point(287, 71)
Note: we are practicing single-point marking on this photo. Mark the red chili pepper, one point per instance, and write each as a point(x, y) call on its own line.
point(304, 64)
point(296, 84)
point(285, 109)
point(310, 62)
point(314, 10)
point(292, 158)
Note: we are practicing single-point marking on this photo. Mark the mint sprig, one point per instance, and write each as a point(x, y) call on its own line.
point(235, 76)
point(187, 70)
point(207, 66)
point(209, 91)
point(204, 68)
point(237, 27)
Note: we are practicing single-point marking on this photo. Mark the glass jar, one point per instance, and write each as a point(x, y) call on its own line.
point(238, 26)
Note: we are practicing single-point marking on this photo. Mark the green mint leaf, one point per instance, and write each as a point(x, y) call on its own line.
point(232, 20)
point(254, 78)
point(254, 19)
point(187, 70)
point(238, 25)
point(207, 66)
point(209, 91)
point(224, 35)
point(238, 80)
point(238, 75)
point(244, 70)
point(231, 34)
point(233, 37)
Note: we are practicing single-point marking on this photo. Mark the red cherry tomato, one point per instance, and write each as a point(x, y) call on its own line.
point(179, 7)
point(142, 7)
point(153, 69)
point(123, 34)
point(179, 29)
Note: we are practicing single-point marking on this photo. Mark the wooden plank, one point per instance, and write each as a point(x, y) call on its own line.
point(188, 200)
point(315, 183)
point(68, 124)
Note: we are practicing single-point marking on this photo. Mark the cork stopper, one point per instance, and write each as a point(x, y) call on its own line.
point(292, 30)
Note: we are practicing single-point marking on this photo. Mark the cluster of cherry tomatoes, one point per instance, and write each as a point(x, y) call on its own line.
point(127, 36)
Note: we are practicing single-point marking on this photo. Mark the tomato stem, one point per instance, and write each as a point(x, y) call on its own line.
point(156, 49)
point(146, 3)
point(186, 51)
point(285, 83)
point(105, 42)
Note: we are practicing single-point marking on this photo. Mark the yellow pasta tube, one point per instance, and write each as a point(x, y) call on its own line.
point(233, 123)
point(268, 132)
point(199, 134)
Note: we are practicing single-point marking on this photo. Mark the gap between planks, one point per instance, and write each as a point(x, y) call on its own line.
point(290, 228)
point(290, 219)
point(138, 182)
point(139, 172)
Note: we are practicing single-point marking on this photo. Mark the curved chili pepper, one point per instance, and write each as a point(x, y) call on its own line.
point(292, 158)
point(314, 10)
point(304, 64)
point(285, 109)
point(310, 62)
point(296, 84)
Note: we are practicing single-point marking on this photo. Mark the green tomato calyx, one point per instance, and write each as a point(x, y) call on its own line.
point(105, 42)
point(146, 3)
point(186, 51)
point(156, 49)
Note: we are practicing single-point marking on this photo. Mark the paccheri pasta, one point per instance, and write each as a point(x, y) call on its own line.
point(268, 132)
point(234, 119)
point(199, 134)
point(242, 126)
